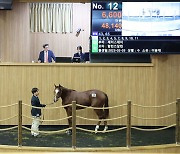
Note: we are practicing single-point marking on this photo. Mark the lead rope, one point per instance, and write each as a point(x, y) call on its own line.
point(50, 103)
point(43, 112)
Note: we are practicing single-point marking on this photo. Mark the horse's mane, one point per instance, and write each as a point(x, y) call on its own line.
point(66, 90)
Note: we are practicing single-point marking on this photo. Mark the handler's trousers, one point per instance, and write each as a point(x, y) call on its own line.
point(35, 126)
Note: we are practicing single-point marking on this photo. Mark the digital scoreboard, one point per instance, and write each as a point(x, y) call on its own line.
point(107, 17)
point(135, 27)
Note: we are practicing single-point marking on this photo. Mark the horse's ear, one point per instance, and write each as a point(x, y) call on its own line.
point(60, 85)
point(55, 85)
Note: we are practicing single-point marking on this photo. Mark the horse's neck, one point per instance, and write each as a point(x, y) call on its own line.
point(65, 93)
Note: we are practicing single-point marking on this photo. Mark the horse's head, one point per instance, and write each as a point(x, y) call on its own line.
point(57, 92)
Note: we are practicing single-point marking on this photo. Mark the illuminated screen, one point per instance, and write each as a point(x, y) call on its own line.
point(135, 27)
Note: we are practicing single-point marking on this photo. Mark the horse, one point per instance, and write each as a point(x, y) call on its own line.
point(94, 98)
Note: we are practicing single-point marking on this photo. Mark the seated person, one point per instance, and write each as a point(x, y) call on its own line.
point(46, 55)
point(79, 54)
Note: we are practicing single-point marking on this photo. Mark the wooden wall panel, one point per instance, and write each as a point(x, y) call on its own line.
point(144, 84)
point(15, 36)
point(151, 84)
point(167, 80)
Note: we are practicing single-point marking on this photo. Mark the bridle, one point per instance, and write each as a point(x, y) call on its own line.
point(58, 90)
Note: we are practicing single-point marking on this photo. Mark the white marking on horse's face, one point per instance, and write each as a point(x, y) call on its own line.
point(55, 96)
point(55, 100)
point(93, 94)
point(56, 91)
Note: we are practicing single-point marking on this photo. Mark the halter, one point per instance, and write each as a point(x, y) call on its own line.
point(58, 90)
point(56, 93)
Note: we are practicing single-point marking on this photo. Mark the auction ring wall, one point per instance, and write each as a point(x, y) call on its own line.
point(148, 84)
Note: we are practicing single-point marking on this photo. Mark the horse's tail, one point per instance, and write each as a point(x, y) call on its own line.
point(106, 111)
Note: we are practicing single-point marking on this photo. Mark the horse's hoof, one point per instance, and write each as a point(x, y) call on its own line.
point(105, 129)
point(69, 132)
point(96, 129)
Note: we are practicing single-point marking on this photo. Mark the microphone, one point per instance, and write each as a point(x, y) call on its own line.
point(78, 31)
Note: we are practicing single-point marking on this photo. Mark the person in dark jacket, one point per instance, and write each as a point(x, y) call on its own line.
point(46, 55)
point(35, 112)
point(79, 54)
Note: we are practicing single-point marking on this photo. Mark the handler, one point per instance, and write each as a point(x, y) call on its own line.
point(35, 112)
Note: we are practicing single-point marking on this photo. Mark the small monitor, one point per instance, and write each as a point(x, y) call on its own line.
point(86, 56)
point(63, 59)
point(76, 60)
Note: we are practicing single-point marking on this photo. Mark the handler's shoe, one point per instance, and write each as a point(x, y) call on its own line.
point(37, 136)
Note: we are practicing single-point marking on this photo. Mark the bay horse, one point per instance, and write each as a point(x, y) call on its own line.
point(94, 98)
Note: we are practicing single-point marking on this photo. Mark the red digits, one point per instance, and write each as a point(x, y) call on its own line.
point(103, 14)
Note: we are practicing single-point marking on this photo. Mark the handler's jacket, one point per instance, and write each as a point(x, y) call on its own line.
point(35, 102)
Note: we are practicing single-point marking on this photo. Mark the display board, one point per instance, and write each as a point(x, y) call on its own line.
point(135, 27)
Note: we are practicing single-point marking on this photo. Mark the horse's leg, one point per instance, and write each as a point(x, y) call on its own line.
point(105, 126)
point(100, 115)
point(105, 121)
point(69, 113)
